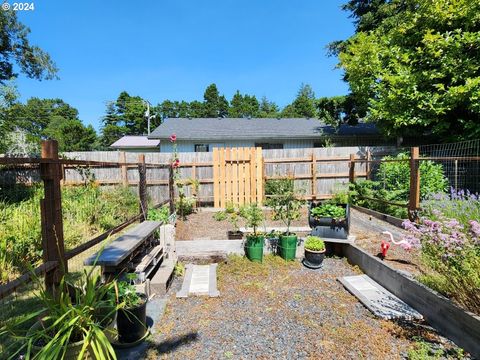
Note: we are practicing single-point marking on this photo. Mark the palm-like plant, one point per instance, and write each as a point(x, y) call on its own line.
point(76, 315)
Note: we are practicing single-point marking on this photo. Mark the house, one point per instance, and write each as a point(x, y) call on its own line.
point(203, 134)
point(136, 144)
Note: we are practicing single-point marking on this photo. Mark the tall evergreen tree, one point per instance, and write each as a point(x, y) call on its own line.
point(214, 105)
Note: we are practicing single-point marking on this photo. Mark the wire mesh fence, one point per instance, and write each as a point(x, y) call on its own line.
point(463, 170)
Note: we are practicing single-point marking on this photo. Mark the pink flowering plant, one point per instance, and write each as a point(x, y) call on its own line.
point(450, 247)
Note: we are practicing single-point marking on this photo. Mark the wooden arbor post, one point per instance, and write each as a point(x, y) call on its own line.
point(51, 214)
point(142, 187)
point(414, 200)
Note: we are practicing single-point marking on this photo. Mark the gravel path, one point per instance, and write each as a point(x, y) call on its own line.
point(276, 310)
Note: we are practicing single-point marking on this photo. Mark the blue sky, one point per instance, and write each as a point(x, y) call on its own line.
point(173, 49)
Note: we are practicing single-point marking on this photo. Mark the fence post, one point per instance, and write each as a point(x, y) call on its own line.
point(124, 171)
point(142, 187)
point(414, 200)
point(51, 214)
point(171, 190)
point(368, 167)
point(351, 174)
point(314, 175)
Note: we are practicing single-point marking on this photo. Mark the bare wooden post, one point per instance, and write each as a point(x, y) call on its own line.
point(314, 175)
point(124, 171)
point(414, 201)
point(142, 187)
point(368, 167)
point(171, 190)
point(351, 174)
point(51, 214)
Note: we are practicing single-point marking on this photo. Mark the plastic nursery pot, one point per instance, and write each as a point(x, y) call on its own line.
point(73, 349)
point(132, 322)
point(314, 259)
point(254, 247)
point(234, 235)
point(288, 246)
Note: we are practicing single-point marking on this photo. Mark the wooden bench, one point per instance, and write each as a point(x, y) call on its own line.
point(137, 251)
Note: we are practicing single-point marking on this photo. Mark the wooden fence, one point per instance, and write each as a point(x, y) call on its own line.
point(52, 174)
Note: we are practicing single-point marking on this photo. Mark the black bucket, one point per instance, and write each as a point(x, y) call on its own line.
point(132, 322)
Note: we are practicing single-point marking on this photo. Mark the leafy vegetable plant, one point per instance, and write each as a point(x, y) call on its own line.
point(329, 210)
point(314, 243)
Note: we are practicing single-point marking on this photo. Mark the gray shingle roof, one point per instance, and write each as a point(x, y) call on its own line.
point(135, 141)
point(258, 129)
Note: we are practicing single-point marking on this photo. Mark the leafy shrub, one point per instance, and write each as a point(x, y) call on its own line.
point(161, 214)
point(314, 243)
point(450, 251)
point(284, 201)
point(393, 185)
point(220, 216)
point(329, 210)
point(185, 206)
point(253, 216)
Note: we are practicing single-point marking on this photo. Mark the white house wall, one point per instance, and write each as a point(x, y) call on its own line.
point(189, 146)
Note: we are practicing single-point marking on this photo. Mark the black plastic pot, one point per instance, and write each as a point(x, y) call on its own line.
point(314, 259)
point(234, 235)
point(132, 322)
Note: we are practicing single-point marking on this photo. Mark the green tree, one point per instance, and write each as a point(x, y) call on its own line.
point(303, 105)
point(15, 48)
point(71, 134)
point(268, 109)
point(214, 105)
point(243, 106)
point(413, 66)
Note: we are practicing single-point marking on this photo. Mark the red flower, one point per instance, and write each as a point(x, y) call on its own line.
point(173, 138)
point(176, 163)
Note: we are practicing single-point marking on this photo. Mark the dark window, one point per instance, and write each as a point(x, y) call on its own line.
point(201, 147)
point(269, 146)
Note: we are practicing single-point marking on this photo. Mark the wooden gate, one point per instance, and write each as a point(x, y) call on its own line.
point(237, 176)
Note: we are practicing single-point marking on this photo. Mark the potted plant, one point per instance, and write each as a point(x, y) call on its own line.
point(254, 244)
point(132, 313)
point(231, 214)
point(330, 214)
point(314, 252)
point(286, 207)
point(66, 329)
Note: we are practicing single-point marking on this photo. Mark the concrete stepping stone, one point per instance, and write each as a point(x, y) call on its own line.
point(377, 299)
point(200, 280)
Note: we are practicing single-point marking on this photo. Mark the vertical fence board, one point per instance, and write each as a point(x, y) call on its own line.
point(216, 178)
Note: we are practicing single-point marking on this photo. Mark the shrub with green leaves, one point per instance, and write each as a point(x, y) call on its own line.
point(253, 215)
point(284, 201)
point(393, 185)
point(314, 243)
point(161, 214)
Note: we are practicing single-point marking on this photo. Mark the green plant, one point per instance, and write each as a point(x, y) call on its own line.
point(79, 311)
point(87, 210)
point(127, 294)
point(162, 214)
point(231, 214)
point(314, 243)
point(284, 201)
point(340, 196)
point(179, 269)
point(253, 216)
point(329, 210)
point(185, 206)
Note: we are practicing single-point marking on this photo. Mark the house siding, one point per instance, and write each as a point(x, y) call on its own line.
point(189, 146)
